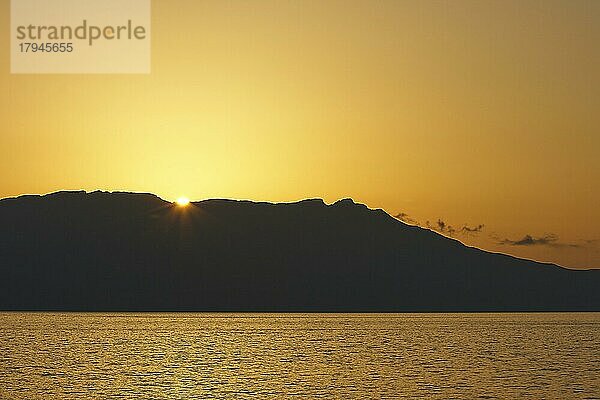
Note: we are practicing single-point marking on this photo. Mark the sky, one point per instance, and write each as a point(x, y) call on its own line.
point(464, 112)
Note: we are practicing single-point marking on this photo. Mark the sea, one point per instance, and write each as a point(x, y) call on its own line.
point(304, 356)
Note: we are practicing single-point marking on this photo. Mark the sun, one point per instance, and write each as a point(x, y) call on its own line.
point(182, 201)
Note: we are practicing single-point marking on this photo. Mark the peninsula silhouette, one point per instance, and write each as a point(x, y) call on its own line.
point(122, 251)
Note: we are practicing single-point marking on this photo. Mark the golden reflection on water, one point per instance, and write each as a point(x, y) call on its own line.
point(101, 356)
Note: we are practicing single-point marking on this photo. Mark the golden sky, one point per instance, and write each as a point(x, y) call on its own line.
point(475, 112)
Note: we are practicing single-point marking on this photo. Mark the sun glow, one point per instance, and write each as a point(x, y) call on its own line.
point(182, 201)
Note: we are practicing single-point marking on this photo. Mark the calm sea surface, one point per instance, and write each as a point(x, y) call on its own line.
point(184, 356)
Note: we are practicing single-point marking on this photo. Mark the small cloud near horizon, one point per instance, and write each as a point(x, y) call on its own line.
point(550, 239)
point(404, 217)
point(442, 226)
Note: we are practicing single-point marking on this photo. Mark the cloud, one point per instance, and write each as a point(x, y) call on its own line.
point(442, 226)
point(467, 230)
point(550, 239)
point(404, 217)
point(529, 240)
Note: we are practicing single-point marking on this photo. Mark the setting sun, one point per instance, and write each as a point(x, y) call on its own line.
point(182, 201)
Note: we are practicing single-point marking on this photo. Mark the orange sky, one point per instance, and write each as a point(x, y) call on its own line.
point(476, 112)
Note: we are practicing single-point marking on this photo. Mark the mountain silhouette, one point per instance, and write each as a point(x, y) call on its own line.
point(131, 251)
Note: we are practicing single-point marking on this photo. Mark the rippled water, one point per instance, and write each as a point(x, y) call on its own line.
point(99, 356)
